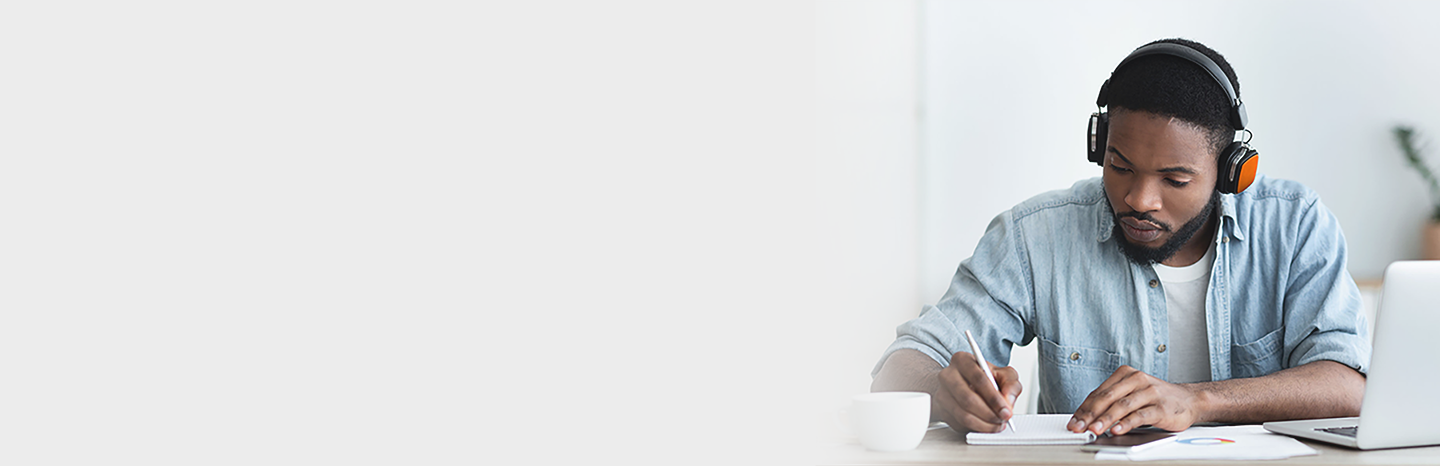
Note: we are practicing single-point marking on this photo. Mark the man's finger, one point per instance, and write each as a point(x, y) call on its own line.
point(976, 424)
point(955, 380)
point(1009, 380)
point(960, 420)
point(1136, 398)
point(963, 415)
point(1147, 415)
point(1100, 399)
point(975, 404)
point(981, 385)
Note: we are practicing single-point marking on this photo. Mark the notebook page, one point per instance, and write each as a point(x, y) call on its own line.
point(1033, 429)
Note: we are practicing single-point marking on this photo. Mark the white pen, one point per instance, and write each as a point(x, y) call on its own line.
point(985, 366)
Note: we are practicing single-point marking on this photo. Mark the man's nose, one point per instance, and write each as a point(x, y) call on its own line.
point(1145, 197)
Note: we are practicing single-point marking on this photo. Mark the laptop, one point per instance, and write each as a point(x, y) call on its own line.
point(1402, 390)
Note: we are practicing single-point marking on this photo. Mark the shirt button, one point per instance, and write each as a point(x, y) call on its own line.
point(1224, 239)
point(1074, 356)
point(1154, 283)
point(1160, 348)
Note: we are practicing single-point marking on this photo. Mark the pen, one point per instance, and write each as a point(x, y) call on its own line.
point(984, 366)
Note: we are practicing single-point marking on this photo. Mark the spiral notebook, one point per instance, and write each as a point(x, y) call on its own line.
point(1033, 429)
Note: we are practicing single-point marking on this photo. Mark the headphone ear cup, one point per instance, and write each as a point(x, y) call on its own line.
point(1249, 167)
point(1237, 168)
point(1095, 134)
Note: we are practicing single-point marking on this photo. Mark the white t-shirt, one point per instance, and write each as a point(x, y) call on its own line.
point(1189, 344)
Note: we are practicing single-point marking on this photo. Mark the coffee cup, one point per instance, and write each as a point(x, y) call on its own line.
point(890, 421)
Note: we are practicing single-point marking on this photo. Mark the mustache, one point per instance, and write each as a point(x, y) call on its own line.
point(1143, 216)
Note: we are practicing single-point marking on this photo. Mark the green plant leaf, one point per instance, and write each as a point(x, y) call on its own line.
point(1405, 136)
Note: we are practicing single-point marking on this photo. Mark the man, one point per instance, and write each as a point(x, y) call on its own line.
point(1155, 296)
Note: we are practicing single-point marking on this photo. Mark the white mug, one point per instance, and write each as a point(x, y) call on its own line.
point(890, 421)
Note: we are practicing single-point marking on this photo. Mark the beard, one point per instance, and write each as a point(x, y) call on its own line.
point(1146, 256)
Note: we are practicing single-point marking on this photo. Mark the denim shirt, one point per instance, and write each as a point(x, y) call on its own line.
point(1050, 272)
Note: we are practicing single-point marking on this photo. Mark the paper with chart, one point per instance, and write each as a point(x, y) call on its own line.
point(1220, 443)
point(1033, 429)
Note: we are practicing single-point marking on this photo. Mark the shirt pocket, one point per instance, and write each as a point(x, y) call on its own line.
point(1069, 373)
point(1257, 358)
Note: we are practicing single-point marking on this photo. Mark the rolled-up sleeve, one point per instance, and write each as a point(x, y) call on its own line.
point(1324, 317)
point(990, 295)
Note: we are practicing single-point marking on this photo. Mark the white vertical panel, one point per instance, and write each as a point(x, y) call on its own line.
point(866, 59)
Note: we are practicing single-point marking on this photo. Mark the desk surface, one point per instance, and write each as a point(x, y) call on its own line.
point(945, 446)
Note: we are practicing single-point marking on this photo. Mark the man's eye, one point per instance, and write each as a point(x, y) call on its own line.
point(1119, 170)
point(1178, 184)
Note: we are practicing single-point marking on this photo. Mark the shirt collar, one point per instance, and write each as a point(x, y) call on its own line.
point(1106, 221)
point(1227, 211)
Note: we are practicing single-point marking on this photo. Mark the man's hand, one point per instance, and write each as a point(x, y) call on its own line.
point(968, 402)
point(1131, 398)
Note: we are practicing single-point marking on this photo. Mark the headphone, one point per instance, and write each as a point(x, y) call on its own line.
point(1238, 161)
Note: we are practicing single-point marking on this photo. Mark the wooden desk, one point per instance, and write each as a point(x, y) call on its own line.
point(944, 446)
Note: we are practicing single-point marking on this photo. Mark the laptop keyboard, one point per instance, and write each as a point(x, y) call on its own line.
point(1346, 431)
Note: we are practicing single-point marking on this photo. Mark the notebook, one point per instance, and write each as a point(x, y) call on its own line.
point(1033, 429)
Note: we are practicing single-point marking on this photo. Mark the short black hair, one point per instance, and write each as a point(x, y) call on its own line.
point(1171, 86)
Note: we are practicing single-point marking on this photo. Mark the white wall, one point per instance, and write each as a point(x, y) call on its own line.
point(867, 96)
point(422, 231)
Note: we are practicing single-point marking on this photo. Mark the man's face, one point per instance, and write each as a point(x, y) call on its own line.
point(1160, 179)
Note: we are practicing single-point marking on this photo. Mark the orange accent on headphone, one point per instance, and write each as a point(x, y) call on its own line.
point(1247, 173)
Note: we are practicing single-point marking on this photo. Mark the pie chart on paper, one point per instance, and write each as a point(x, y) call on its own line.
point(1205, 441)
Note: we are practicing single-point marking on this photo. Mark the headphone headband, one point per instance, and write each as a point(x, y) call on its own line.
point(1237, 115)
